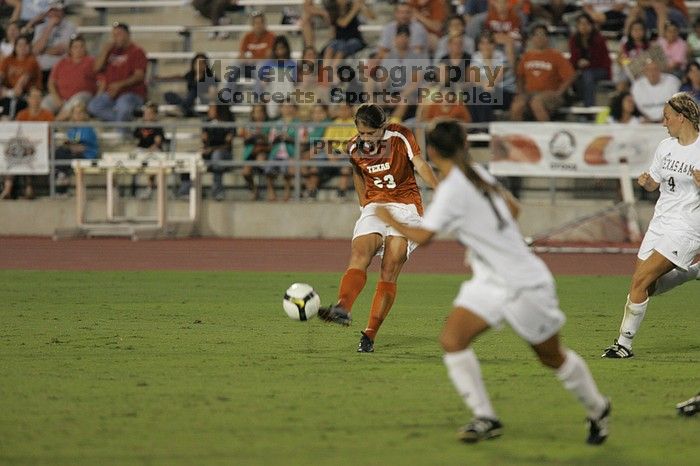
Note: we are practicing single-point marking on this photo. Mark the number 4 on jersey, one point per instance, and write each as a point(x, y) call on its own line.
point(386, 182)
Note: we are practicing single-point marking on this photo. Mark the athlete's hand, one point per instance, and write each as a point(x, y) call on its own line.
point(696, 177)
point(384, 214)
point(644, 180)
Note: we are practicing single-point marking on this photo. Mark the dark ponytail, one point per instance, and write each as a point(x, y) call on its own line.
point(450, 140)
point(371, 115)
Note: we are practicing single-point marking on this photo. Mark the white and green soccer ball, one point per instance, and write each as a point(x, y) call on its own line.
point(301, 302)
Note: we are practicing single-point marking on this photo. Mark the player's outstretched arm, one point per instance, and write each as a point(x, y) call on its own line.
point(416, 234)
point(647, 182)
point(425, 171)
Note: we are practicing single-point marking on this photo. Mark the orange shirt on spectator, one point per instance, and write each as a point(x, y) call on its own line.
point(432, 9)
point(257, 47)
point(456, 111)
point(71, 78)
point(544, 70)
point(26, 115)
point(507, 23)
point(13, 69)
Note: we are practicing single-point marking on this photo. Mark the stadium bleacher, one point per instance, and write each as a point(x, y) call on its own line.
point(171, 40)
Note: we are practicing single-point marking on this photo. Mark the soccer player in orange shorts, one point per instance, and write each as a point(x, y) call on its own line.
point(383, 156)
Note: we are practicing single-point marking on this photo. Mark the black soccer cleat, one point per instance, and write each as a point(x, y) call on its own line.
point(335, 314)
point(480, 429)
point(617, 351)
point(689, 407)
point(598, 428)
point(366, 344)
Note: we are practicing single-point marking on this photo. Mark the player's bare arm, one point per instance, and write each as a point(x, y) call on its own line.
point(425, 171)
point(359, 185)
point(415, 234)
point(647, 182)
point(696, 177)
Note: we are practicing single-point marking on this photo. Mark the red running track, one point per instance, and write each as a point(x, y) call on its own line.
point(314, 255)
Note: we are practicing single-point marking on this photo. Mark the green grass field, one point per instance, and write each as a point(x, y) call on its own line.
point(180, 368)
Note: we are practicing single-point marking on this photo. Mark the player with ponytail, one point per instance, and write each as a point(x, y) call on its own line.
point(509, 284)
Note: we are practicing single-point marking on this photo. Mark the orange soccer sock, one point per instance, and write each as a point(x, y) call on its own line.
point(351, 285)
point(381, 305)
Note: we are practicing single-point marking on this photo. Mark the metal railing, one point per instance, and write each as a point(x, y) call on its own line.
point(173, 128)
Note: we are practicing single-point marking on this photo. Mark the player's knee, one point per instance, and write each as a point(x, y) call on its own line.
point(641, 281)
point(390, 270)
point(452, 341)
point(360, 259)
point(551, 359)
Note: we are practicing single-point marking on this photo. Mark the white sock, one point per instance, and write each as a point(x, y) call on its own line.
point(576, 377)
point(465, 373)
point(634, 315)
point(676, 277)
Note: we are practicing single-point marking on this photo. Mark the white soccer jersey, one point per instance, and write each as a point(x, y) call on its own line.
point(484, 224)
point(678, 206)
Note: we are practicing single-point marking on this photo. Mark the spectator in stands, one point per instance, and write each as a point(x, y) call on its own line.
point(316, 148)
point(200, 80)
point(544, 76)
point(432, 15)
point(216, 146)
point(72, 81)
point(27, 10)
point(338, 134)
point(455, 27)
point(313, 79)
point(33, 112)
point(121, 67)
point(215, 11)
point(655, 13)
point(52, 37)
point(477, 23)
point(694, 40)
point(255, 146)
point(403, 56)
point(283, 136)
point(81, 143)
point(18, 73)
point(457, 59)
point(503, 19)
point(279, 74)
point(635, 42)
point(403, 16)
point(675, 49)
point(474, 16)
point(444, 100)
point(310, 12)
point(622, 109)
point(691, 83)
point(590, 58)
point(556, 12)
point(652, 90)
point(8, 43)
point(149, 139)
point(347, 38)
point(256, 44)
point(608, 15)
point(488, 56)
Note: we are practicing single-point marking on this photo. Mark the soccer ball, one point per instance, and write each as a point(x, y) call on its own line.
point(301, 302)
